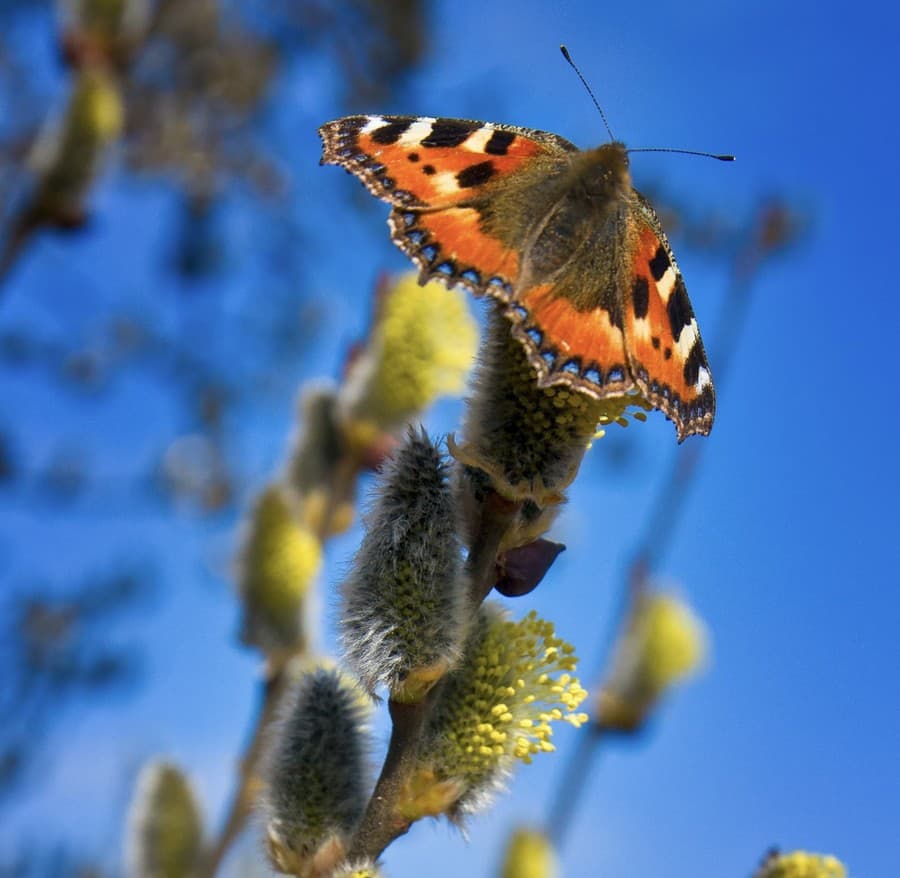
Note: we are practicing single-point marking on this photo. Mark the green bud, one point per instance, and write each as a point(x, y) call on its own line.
point(316, 778)
point(165, 827)
point(404, 603)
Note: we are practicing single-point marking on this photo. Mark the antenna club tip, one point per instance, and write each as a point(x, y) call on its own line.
point(725, 158)
point(565, 52)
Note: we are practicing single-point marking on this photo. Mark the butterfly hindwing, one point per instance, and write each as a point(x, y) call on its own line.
point(662, 339)
point(450, 245)
point(578, 347)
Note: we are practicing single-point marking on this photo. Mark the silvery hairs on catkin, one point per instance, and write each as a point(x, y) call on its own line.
point(404, 607)
point(316, 776)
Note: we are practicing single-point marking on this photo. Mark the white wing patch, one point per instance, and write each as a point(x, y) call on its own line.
point(477, 141)
point(666, 284)
point(417, 132)
point(686, 340)
point(374, 123)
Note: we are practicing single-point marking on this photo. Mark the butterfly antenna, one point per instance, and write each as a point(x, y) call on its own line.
point(568, 57)
point(723, 157)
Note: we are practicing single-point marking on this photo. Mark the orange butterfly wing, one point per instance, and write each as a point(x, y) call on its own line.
point(665, 351)
point(437, 173)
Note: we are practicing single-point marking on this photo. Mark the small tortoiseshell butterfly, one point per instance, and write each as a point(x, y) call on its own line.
point(558, 235)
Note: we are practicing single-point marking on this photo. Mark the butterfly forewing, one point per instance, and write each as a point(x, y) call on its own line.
point(429, 162)
point(437, 174)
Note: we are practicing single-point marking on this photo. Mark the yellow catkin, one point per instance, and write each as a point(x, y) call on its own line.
point(165, 826)
point(663, 643)
point(422, 347)
point(529, 855)
point(68, 156)
point(279, 564)
point(800, 864)
point(514, 683)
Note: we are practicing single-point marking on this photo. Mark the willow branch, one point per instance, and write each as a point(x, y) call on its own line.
point(572, 784)
point(244, 796)
point(382, 822)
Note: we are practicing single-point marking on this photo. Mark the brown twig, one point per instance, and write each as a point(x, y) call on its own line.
point(381, 823)
point(273, 690)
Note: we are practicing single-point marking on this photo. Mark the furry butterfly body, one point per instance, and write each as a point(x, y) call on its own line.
point(558, 235)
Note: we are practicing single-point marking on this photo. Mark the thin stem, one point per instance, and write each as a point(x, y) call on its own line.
point(497, 515)
point(273, 690)
point(571, 787)
point(658, 531)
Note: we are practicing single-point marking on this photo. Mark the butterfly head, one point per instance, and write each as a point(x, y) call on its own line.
point(605, 170)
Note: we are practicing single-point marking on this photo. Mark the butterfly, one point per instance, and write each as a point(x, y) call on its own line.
point(559, 236)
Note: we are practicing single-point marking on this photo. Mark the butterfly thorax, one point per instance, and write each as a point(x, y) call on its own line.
point(588, 214)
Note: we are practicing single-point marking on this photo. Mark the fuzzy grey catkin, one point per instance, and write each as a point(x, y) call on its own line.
point(316, 775)
point(165, 830)
point(404, 608)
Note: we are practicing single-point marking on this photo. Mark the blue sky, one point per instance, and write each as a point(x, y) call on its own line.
point(788, 545)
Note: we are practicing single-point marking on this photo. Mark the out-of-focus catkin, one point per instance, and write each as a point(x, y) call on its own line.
point(662, 643)
point(422, 345)
point(316, 777)
point(165, 832)
point(278, 564)
point(529, 854)
point(321, 472)
point(70, 153)
point(800, 864)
